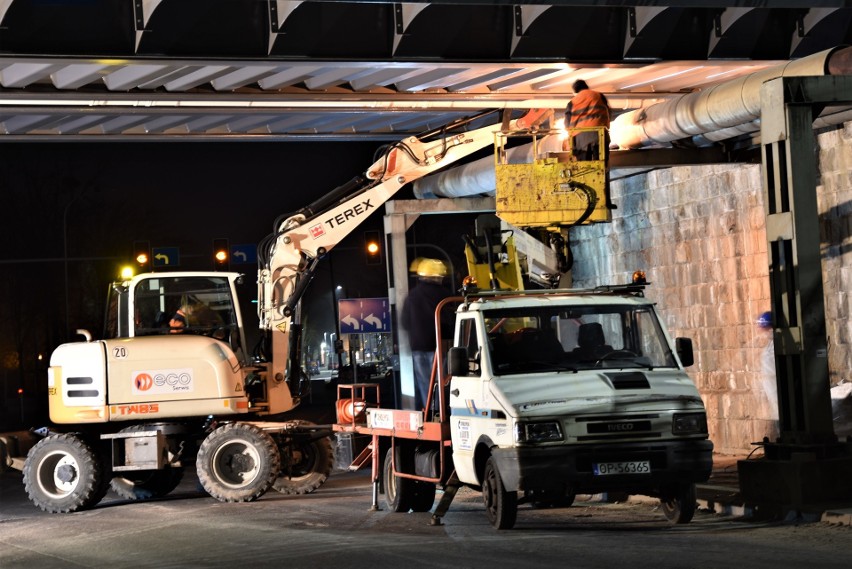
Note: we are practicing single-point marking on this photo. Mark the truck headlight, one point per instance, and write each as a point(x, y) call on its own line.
point(689, 423)
point(538, 432)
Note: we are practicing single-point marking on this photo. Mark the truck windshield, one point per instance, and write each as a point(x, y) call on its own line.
point(540, 339)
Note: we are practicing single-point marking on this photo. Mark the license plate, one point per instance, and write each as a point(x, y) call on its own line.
point(632, 467)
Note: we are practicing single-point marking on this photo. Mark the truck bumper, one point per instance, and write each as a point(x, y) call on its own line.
point(672, 464)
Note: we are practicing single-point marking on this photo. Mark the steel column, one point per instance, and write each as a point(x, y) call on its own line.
point(807, 465)
point(795, 268)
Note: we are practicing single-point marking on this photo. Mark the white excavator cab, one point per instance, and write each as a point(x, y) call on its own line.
point(153, 304)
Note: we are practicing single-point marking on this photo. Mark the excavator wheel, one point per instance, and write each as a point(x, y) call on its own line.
point(306, 465)
point(238, 462)
point(63, 474)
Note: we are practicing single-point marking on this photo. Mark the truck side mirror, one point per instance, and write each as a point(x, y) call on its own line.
point(684, 351)
point(458, 362)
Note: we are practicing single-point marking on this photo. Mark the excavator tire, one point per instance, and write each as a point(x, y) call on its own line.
point(146, 484)
point(237, 462)
point(306, 466)
point(63, 474)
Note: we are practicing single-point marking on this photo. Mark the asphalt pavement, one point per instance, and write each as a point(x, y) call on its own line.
point(720, 494)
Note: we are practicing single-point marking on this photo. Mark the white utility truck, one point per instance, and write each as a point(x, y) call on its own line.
point(548, 394)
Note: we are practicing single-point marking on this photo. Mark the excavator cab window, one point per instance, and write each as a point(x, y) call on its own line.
point(201, 304)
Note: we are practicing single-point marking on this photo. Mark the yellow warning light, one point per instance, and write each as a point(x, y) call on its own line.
point(372, 245)
point(126, 273)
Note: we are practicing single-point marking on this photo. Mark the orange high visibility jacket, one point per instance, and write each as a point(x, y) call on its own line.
point(587, 108)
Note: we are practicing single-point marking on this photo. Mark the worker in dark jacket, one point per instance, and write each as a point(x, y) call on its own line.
point(418, 318)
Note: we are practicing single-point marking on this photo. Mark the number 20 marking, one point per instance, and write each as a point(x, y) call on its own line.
point(119, 352)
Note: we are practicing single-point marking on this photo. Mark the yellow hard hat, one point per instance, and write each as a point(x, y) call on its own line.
point(431, 268)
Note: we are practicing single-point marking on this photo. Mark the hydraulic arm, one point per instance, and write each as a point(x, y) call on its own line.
point(288, 257)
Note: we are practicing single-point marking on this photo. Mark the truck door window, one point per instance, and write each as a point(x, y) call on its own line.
point(469, 340)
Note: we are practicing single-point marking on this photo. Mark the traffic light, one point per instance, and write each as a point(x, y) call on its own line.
point(142, 255)
point(373, 247)
point(221, 255)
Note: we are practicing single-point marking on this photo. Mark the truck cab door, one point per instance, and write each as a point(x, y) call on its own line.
point(467, 400)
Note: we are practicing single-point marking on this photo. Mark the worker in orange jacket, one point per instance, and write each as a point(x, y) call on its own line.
point(589, 108)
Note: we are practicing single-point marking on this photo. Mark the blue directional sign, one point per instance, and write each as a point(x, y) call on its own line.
point(244, 254)
point(165, 256)
point(363, 315)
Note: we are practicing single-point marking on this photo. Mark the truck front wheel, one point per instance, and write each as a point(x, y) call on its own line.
point(63, 474)
point(679, 507)
point(501, 506)
point(238, 462)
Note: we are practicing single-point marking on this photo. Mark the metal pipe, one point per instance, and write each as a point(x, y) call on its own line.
point(713, 112)
point(723, 111)
point(478, 177)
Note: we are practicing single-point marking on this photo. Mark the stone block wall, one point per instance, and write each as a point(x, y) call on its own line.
point(834, 196)
point(699, 234)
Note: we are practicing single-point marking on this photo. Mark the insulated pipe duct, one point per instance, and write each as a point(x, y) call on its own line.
point(726, 110)
point(478, 177)
point(722, 111)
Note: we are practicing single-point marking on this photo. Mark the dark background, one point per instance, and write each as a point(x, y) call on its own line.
point(71, 213)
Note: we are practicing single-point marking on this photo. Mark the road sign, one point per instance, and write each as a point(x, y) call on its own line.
point(363, 315)
point(245, 254)
point(165, 256)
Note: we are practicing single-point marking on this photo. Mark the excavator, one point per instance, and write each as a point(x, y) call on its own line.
point(132, 410)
